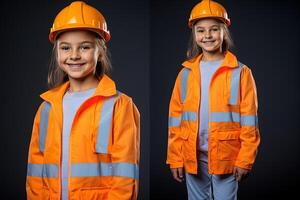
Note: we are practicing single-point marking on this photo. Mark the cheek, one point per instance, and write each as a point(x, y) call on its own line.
point(91, 57)
point(220, 36)
point(198, 37)
point(61, 57)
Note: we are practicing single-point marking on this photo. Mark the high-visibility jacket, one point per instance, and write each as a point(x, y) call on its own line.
point(233, 135)
point(103, 151)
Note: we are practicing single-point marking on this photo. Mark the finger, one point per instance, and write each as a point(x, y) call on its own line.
point(234, 170)
point(180, 173)
point(238, 177)
point(175, 175)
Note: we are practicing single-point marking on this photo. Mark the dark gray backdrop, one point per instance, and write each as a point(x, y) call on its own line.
point(266, 34)
point(149, 40)
point(24, 57)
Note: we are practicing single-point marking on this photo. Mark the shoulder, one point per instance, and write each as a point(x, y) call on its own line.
point(123, 98)
point(124, 101)
point(245, 69)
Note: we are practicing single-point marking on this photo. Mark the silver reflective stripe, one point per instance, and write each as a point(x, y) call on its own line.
point(249, 120)
point(43, 128)
point(189, 116)
point(234, 86)
point(120, 169)
point(224, 117)
point(105, 124)
point(186, 116)
point(184, 84)
point(174, 121)
point(42, 170)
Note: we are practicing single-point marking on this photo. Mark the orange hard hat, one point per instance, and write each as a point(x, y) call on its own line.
point(208, 9)
point(79, 15)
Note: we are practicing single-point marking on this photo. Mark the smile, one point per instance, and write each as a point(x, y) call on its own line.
point(75, 65)
point(208, 41)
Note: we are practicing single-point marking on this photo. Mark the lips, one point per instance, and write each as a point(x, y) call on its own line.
point(208, 41)
point(75, 66)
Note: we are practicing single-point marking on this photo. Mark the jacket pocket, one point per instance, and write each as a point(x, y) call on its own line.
point(228, 145)
point(38, 194)
point(187, 144)
point(94, 193)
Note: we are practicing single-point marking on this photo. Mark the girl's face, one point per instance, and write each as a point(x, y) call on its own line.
point(209, 35)
point(77, 54)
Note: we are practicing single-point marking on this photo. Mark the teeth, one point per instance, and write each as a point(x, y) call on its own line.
point(75, 65)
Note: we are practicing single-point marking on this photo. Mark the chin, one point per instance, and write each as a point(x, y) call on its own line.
point(212, 50)
point(75, 76)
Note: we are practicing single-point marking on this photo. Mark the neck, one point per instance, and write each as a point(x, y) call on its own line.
point(212, 56)
point(78, 85)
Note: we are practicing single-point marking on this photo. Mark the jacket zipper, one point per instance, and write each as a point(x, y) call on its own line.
point(69, 162)
point(209, 114)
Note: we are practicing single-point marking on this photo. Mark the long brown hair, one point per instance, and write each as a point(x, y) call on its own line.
point(194, 50)
point(56, 76)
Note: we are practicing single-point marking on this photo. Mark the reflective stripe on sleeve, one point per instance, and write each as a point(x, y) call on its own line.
point(120, 169)
point(184, 84)
point(189, 116)
point(186, 116)
point(42, 170)
point(43, 128)
point(249, 120)
point(174, 121)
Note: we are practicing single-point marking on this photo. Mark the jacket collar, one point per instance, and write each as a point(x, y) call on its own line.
point(106, 87)
point(230, 61)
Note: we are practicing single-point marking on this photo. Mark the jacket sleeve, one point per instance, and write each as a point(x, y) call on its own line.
point(125, 150)
point(34, 184)
point(249, 135)
point(174, 155)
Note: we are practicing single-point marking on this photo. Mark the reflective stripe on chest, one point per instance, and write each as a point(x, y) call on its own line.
point(104, 128)
point(215, 116)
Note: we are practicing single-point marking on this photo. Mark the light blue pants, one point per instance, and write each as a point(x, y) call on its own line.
point(204, 186)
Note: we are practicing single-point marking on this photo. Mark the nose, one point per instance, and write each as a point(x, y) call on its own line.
point(75, 55)
point(207, 34)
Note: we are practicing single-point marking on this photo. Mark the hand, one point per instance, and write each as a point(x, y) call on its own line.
point(177, 174)
point(240, 173)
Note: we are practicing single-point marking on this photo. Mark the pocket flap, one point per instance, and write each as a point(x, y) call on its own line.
point(228, 135)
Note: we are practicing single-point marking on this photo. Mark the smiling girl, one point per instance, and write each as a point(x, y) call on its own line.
point(213, 129)
point(85, 138)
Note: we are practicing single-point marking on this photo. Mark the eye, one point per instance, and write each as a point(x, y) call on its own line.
point(65, 48)
point(200, 31)
point(85, 47)
point(215, 29)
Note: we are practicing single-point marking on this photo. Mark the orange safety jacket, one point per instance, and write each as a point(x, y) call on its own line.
point(233, 135)
point(103, 151)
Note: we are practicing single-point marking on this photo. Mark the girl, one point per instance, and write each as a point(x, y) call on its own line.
point(85, 138)
point(213, 130)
